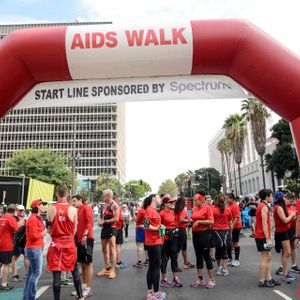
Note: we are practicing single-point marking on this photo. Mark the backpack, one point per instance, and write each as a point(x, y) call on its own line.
point(20, 237)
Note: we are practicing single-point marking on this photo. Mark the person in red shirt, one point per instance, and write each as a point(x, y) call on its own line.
point(35, 232)
point(62, 252)
point(8, 226)
point(140, 237)
point(153, 242)
point(263, 239)
point(169, 248)
point(236, 230)
point(202, 217)
point(282, 221)
point(221, 232)
point(84, 243)
point(182, 221)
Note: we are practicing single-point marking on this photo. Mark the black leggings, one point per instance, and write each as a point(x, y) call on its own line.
point(76, 280)
point(201, 242)
point(126, 230)
point(153, 274)
point(168, 252)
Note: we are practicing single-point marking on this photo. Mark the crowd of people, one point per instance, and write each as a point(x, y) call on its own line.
point(163, 225)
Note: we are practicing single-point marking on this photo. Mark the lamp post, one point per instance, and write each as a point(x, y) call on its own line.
point(74, 160)
point(23, 187)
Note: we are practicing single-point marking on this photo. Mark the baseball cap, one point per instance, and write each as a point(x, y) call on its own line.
point(20, 207)
point(278, 196)
point(36, 203)
point(107, 192)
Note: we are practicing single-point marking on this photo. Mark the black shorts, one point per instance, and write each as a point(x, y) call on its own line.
point(119, 238)
point(236, 235)
point(18, 251)
point(6, 257)
point(260, 245)
point(108, 232)
point(221, 238)
point(292, 234)
point(182, 240)
point(85, 253)
point(279, 237)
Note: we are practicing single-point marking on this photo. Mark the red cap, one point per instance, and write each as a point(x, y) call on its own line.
point(36, 203)
point(200, 197)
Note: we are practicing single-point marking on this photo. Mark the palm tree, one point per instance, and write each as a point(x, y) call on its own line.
point(256, 113)
point(236, 133)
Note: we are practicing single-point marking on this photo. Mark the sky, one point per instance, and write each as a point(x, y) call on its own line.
point(166, 138)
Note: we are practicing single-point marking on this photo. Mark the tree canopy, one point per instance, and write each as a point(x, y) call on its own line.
point(168, 187)
point(136, 189)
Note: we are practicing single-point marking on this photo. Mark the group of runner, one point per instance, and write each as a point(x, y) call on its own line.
point(161, 235)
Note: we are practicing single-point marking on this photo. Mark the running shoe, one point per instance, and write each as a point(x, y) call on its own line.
point(16, 278)
point(66, 282)
point(112, 275)
point(177, 283)
point(291, 277)
point(220, 271)
point(279, 271)
point(138, 265)
point(103, 272)
point(276, 282)
point(6, 288)
point(179, 270)
point(188, 265)
point(225, 272)
point(87, 293)
point(149, 295)
point(158, 296)
point(285, 279)
point(210, 284)
point(166, 283)
point(295, 269)
point(235, 263)
point(122, 266)
point(198, 283)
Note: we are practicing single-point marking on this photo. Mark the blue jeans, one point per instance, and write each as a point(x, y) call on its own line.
point(35, 257)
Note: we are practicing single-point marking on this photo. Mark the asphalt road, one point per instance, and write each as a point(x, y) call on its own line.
point(131, 283)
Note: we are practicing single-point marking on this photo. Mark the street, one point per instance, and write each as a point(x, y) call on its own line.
point(131, 283)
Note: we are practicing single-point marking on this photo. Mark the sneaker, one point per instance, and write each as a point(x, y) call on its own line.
point(112, 275)
point(158, 296)
point(179, 270)
point(225, 272)
point(103, 272)
point(291, 277)
point(166, 283)
point(177, 283)
point(220, 271)
point(146, 263)
point(210, 284)
point(229, 261)
point(286, 280)
point(191, 266)
point(122, 266)
point(235, 263)
point(87, 293)
point(149, 295)
point(16, 278)
point(139, 265)
point(295, 269)
point(198, 283)
point(6, 288)
point(65, 282)
point(276, 282)
point(279, 271)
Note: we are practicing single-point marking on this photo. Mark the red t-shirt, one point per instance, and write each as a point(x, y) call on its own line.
point(8, 226)
point(181, 215)
point(167, 219)
point(85, 221)
point(34, 228)
point(298, 207)
point(140, 217)
point(120, 223)
point(279, 225)
point(201, 214)
point(236, 213)
point(221, 220)
point(259, 232)
point(290, 210)
point(152, 237)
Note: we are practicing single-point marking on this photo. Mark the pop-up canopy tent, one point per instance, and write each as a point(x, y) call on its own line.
point(234, 48)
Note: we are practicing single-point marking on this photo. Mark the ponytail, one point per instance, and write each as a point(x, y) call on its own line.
point(221, 203)
point(148, 200)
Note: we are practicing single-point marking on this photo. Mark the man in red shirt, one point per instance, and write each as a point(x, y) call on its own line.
point(236, 225)
point(84, 243)
point(8, 226)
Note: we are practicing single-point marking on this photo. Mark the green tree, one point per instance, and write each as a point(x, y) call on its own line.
point(107, 181)
point(181, 180)
point(168, 187)
point(207, 178)
point(236, 132)
point(292, 185)
point(224, 147)
point(136, 189)
point(43, 165)
point(257, 114)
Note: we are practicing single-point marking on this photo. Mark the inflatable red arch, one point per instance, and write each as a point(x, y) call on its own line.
point(235, 48)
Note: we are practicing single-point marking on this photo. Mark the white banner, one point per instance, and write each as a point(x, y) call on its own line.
point(112, 50)
point(97, 91)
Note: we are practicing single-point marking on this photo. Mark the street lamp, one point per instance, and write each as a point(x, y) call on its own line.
point(23, 187)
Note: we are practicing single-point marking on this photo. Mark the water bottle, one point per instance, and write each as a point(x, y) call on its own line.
point(162, 231)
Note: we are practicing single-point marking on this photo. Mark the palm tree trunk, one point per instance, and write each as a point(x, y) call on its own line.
point(234, 178)
point(223, 175)
point(263, 170)
point(240, 179)
point(273, 180)
point(228, 171)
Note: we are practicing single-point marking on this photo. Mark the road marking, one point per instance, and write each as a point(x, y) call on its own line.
point(285, 297)
point(41, 291)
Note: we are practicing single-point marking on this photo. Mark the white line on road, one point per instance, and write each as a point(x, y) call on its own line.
point(285, 297)
point(41, 291)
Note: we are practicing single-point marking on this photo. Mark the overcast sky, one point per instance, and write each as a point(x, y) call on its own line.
point(169, 137)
